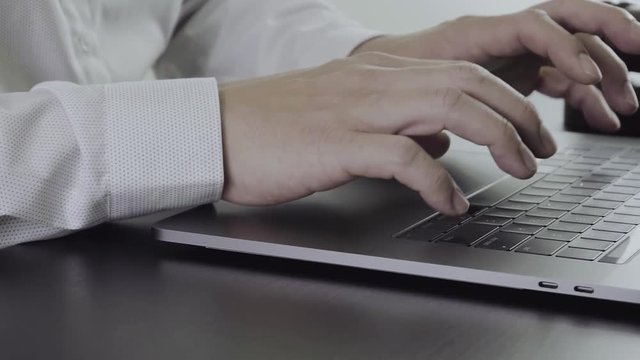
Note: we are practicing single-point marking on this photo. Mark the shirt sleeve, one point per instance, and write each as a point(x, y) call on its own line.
point(74, 156)
point(239, 39)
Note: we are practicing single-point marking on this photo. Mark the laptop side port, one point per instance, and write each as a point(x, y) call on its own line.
point(548, 285)
point(584, 289)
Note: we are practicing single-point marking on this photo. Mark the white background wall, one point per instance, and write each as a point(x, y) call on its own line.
point(409, 15)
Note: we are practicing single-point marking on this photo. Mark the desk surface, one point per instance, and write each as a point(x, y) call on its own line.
point(113, 293)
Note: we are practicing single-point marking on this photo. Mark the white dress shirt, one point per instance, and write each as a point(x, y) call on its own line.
point(86, 137)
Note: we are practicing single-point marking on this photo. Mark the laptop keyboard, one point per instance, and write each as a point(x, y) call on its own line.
point(584, 204)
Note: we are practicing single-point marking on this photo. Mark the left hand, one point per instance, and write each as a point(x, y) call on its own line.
point(554, 48)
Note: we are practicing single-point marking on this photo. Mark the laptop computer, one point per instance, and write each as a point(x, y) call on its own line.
point(571, 229)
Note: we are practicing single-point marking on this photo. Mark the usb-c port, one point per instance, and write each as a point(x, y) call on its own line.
point(583, 289)
point(548, 285)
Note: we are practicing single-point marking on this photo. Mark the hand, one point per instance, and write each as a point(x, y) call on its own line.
point(294, 134)
point(554, 48)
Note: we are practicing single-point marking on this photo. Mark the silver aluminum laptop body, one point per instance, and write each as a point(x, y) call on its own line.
point(357, 225)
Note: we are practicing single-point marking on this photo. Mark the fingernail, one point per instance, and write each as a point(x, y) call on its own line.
point(460, 202)
point(548, 141)
point(590, 67)
point(631, 97)
point(528, 159)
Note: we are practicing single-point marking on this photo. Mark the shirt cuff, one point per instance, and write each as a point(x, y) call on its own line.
point(164, 145)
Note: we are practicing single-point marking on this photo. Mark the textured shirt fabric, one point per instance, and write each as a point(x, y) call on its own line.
point(87, 132)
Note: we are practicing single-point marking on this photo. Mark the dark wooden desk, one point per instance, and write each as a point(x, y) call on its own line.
point(113, 293)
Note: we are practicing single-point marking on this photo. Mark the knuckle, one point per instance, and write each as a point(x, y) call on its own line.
point(508, 132)
point(440, 180)
point(372, 57)
point(364, 73)
point(536, 14)
point(466, 19)
point(406, 152)
point(451, 98)
point(530, 112)
point(466, 71)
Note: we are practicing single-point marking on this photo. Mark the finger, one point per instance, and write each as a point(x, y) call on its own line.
point(435, 145)
point(534, 31)
point(476, 82)
point(398, 157)
point(616, 87)
point(586, 98)
point(427, 112)
point(616, 24)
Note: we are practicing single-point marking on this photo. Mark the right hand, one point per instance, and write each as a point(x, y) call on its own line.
point(291, 135)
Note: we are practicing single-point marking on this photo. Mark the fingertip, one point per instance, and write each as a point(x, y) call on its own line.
point(590, 69)
point(460, 202)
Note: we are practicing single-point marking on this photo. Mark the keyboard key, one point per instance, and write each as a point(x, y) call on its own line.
point(612, 197)
point(591, 244)
point(491, 220)
point(575, 166)
point(579, 192)
point(608, 172)
point(454, 220)
point(621, 160)
point(602, 235)
point(614, 227)
point(625, 210)
point(589, 185)
point(502, 241)
point(510, 214)
point(476, 210)
point(579, 254)
point(581, 219)
point(532, 220)
point(570, 227)
point(427, 232)
point(588, 160)
point(633, 203)
point(546, 213)
point(554, 162)
point(630, 154)
point(512, 205)
point(623, 219)
point(615, 166)
point(522, 229)
point(557, 235)
point(631, 176)
point(572, 199)
point(467, 234)
point(568, 172)
point(550, 185)
point(621, 190)
point(501, 190)
point(628, 183)
point(604, 152)
point(623, 251)
point(603, 204)
point(539, 192)
point(556, 205)
point(561, 179)
point(585, 210)
point(600, 178)
point(529, 199)
point(544, 169)
point(540, 247)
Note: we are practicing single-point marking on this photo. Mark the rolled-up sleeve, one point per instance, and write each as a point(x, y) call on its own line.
point(75, 156)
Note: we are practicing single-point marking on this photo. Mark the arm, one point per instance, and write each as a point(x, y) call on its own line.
point(75, 156)
point(239, 39)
